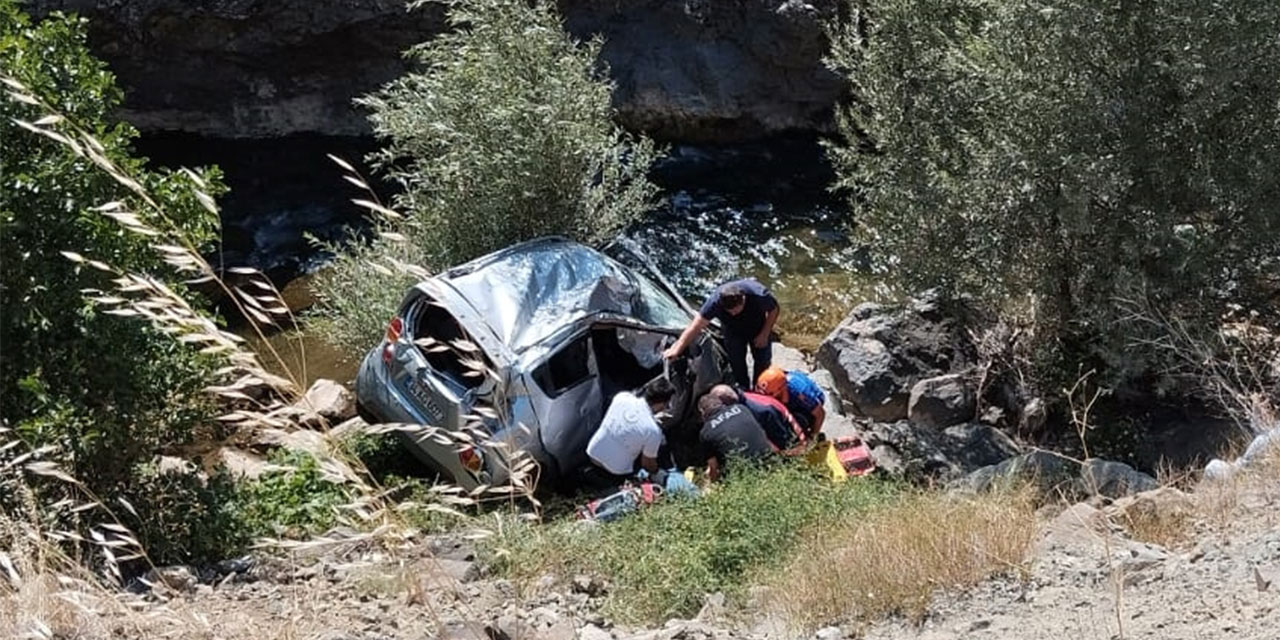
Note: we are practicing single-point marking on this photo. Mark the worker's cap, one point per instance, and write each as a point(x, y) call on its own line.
point(773, 382)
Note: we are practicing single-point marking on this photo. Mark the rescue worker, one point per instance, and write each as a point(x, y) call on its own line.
point(747, 312)
point(801, 395)
point(629, 437)
point(729, 431)
point(772, 415)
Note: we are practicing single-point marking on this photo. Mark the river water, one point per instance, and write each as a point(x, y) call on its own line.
point(758, 210)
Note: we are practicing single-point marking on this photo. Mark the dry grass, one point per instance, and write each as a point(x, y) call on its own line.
point(894, 559)
point(1223, 505)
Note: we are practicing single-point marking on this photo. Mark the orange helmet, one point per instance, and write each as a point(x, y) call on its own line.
point(773, 382)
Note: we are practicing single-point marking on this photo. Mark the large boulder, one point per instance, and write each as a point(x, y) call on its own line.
point(878, 353)
point(1055, 474)
point(921, 453)
point(942, 401)
point(1114, 479)
point(1050, 472)
point(827, 383)
point(789, 358)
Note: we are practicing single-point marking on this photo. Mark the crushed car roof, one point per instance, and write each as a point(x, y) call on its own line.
point(529, 291)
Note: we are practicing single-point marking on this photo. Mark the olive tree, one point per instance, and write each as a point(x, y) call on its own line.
point(1063, 157)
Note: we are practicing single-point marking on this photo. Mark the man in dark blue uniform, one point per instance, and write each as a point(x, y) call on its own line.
point(747, 311)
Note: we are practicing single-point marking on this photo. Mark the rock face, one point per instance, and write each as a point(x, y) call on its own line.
point(714, 70)
point(689, 70)
point(878, 353)
point(243, 69)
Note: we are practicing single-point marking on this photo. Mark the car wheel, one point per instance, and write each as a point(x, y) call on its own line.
point(366, 415)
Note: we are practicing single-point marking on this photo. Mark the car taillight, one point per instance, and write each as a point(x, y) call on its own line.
point(470, 460)
point(394, 329)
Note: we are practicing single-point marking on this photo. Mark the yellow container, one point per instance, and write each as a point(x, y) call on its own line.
point(823, 456)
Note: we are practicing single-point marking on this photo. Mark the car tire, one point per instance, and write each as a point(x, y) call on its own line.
point(366, 415)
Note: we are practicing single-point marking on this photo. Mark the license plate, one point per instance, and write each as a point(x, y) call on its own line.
point(425, 400)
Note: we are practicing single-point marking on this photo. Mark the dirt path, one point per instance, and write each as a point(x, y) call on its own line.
point(1091, 581)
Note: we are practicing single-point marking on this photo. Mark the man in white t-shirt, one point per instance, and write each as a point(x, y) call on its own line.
point(629, 430)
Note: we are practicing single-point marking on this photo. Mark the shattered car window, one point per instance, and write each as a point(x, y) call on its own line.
point(658, 308)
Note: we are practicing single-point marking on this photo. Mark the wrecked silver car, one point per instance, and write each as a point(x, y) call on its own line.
point(544, 333)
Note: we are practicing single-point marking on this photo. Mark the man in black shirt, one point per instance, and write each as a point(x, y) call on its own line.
point(747, 312)
point(729, 430)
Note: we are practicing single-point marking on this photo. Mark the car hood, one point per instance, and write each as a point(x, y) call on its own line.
point(531, 291)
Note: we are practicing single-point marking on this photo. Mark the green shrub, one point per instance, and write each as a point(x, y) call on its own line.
point(661, 561)
point(106, 391)
point(184, 518)
point(1059, 157)
point(505, 134)
point(292, 501)
point(384, 456)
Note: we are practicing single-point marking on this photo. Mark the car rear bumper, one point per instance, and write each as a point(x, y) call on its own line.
point(378, 395)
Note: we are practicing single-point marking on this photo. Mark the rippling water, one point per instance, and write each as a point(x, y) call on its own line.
point(699, 240)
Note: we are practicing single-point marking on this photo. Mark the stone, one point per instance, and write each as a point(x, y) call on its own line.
point(1142, 557)
point(313, 442)
point(178, 578)
point(1165, 503)
point(789, 359)
point(510, 627)
point(825, 381)
point(1050, 473)
point(330, 400)
point(829, 633)
point(1054, 474)
point(349, 428)
point(942, 401)
point(457, 630)
point(174, 464)
point(888, 460)
point(593, 586)
point(559, 630)
point(922, 454)
point(1114, 479)
point(240, 463)
point(878, 353)
point(1075, 530)
point(975, 445)
point(440, 572)
point(592, 632)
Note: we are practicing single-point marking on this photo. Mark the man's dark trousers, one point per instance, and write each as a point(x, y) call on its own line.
point(736, 346)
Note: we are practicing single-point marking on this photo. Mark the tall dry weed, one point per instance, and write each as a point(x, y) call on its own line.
point(895, 558)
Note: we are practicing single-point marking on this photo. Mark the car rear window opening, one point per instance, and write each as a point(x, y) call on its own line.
point(433, 321)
